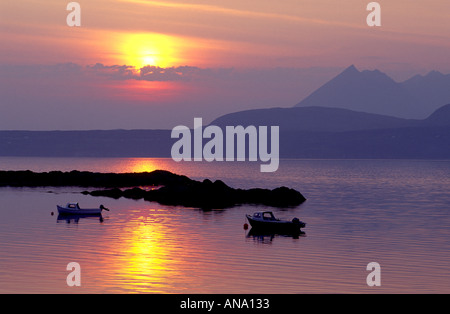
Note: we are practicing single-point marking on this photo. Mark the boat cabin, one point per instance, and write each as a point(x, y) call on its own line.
point(264, 216)
point(73, 206)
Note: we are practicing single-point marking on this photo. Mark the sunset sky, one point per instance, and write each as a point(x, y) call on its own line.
point(137, 64)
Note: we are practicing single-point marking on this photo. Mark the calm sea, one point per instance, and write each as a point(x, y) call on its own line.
point(393, 212)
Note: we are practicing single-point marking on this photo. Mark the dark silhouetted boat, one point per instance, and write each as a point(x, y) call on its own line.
point(267, 221)
point(74, 208)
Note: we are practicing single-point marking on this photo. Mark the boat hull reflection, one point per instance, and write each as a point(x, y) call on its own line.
point(262, 235)
point(75, 218)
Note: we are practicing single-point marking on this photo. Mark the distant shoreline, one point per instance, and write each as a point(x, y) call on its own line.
point(174, 189)
point(305, 132)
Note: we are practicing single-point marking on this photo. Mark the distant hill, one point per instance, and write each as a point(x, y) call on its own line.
point(319, 132)
point(314, 119)
point(440, 117)
point(375, 92)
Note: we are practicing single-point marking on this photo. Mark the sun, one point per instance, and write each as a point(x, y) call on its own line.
point(145, 49)
point(149, 60)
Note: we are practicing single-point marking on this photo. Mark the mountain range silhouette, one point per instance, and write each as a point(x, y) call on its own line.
point(375, 92)
point(357, 114)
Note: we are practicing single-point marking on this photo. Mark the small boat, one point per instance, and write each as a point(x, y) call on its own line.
point(267, 221)
point(74, 208)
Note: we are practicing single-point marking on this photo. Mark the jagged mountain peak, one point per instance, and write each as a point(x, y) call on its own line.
point(374, 91)
point(434, 73)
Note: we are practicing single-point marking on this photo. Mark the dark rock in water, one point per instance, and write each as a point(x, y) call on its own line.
point(174, 189)
point(89, 179)
point(208, 195)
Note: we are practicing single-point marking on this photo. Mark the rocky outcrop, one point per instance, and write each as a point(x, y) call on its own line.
point(208, 195)
point(169, 188)
point(89, 179)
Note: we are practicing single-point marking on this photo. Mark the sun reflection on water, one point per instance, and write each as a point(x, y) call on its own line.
point(145, 262)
